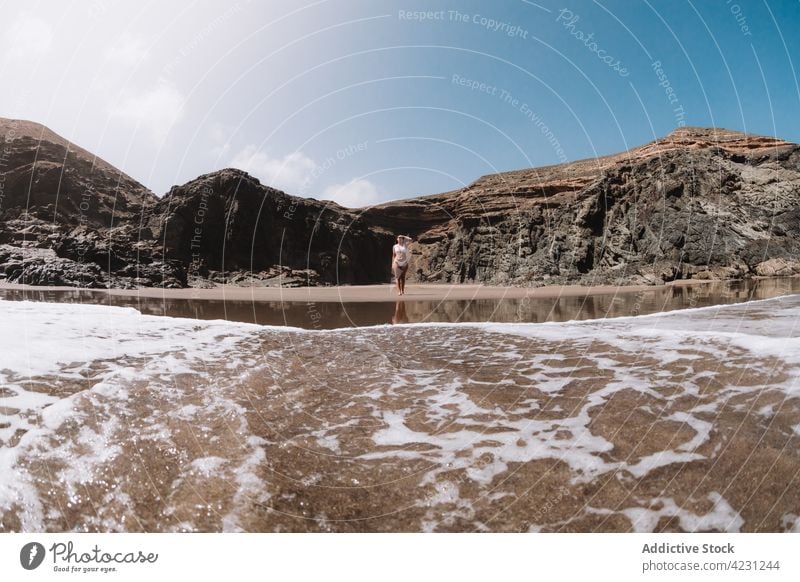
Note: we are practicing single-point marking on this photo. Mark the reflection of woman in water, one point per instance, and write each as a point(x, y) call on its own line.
point(400, 313)
point(401, 255)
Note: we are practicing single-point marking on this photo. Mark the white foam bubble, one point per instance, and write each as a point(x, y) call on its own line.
point(644, 519)
point(208, 466)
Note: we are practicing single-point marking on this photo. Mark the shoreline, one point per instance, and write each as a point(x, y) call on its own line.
point(369, 293)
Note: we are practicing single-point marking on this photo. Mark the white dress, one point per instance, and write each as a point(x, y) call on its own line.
point(401, 255)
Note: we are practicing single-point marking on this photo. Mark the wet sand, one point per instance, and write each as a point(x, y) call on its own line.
point(688, 421)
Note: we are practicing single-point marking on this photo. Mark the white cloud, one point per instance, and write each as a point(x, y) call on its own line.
point(296, 173)
point(291, 173)
point(127, 51)
point(28, 37)
point(220, 132)
point(220, 135)
point(354, 194)
point(156, 109)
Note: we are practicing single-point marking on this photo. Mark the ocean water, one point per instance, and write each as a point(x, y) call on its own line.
point(336, 315)
point(111, 420)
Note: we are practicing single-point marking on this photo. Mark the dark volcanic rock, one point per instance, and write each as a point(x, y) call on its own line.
point(228, 221)
point(79, 211)
point(46, 176)
point(700, 203)
point(33, 266)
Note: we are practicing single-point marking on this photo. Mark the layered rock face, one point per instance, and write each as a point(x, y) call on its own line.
point(700, 203)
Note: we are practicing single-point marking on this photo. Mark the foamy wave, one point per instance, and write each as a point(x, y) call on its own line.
point(82, 385)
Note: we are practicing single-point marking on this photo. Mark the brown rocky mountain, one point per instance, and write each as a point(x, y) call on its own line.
point(57, 181)
point(67, 217)
point(700, 203)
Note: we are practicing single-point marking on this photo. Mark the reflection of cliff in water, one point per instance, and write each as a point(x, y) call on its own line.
point(330, 315)
point(568, 308)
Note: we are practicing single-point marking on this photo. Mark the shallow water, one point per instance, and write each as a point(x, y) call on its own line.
point(332, 315)
point(115, 421)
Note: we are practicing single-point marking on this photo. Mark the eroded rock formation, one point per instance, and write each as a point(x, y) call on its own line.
point(700, 203)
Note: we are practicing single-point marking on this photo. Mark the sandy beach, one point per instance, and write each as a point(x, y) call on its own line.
point(367, 293)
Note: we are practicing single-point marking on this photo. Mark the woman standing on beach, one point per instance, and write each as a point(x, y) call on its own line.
point(401, 255)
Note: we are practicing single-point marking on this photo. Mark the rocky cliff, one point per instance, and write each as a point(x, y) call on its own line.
point(700, 203)
point(50, 178)
point(228, 227)
point(69, 218)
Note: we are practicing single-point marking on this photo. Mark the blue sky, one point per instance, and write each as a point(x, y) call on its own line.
point(366, 101)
